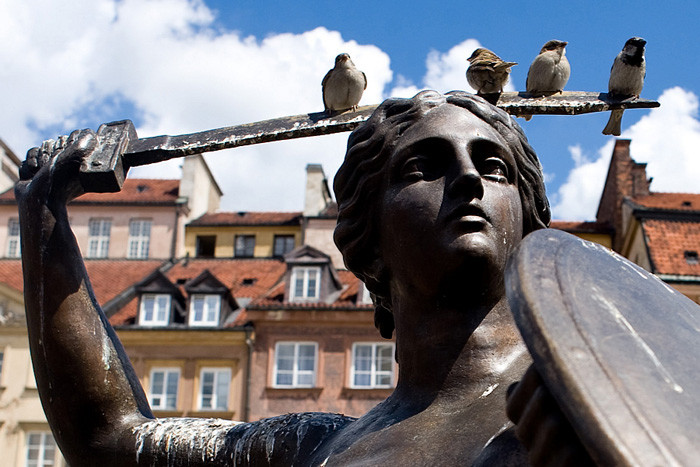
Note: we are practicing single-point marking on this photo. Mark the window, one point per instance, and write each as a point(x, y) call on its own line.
point(155, 310)
point(283, 244)
point(214, 384)
point(98, 237)
point(372, 365)
point(295, 364)
point(691, 256)
point(244, 246)
point(163, 393)
point(206, 246)
point(205, 310)
point(13, 244)
point(41, 449)
point(139, 238)
point(305, 283)
point(2, 358)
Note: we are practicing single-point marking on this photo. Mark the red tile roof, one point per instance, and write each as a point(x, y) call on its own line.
point(670, 201)
point(134, 191)
point(274, 299)
point(108, 277)
point(667, 241)
point(248, 218)
point(245, 278)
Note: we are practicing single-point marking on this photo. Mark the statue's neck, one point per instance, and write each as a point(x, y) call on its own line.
point(450, 353)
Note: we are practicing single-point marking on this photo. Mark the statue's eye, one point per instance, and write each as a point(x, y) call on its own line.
point(495, 168)
point(420, 167)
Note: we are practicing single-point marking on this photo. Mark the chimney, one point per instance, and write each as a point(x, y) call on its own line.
point(317, 196)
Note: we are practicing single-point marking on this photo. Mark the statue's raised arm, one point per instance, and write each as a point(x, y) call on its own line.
point(92, 398)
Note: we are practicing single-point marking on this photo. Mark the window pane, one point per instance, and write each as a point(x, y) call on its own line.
point(313, 273)
point(284, 379)
point(362, 379)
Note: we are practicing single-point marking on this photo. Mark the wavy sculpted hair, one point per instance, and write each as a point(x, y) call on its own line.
point(361, 179)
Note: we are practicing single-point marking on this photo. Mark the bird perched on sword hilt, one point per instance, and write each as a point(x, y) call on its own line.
point(626, 79)
point(487, 72)
point(343, 85)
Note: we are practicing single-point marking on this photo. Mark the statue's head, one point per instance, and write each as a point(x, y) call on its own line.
point(375, 169)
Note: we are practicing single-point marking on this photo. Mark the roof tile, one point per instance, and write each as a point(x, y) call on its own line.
point(668, 241)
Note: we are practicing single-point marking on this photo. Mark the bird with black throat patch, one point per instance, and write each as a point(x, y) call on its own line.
point(487, 73)
point(343, 85)
point(626, 79)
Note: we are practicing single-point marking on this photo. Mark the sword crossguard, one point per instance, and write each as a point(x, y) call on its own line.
point(104, 170)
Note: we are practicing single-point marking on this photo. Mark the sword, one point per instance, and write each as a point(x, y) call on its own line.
point(120, 147)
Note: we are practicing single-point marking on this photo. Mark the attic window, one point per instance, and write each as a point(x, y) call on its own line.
point(305, 284)
point(141, 188)
point(249, 281)
point(691, 256)
point(686, 204)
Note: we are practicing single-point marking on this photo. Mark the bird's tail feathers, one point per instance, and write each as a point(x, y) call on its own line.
point(614, 123)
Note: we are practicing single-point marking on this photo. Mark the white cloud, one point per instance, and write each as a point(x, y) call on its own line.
point(182, 75)
point(667, 139)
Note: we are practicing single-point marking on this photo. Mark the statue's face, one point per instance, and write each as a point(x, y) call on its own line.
point(451, 210)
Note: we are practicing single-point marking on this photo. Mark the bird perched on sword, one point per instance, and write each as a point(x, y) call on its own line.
point(343, 85)
point(549, 71)
point(626, 79)
point(487, 73)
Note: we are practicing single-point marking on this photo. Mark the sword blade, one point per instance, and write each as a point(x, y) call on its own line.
point(160, 148)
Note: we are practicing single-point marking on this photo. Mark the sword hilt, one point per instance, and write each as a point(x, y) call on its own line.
point(104, 170)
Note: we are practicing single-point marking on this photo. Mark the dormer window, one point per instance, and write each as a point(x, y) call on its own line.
point(205, 310)
point(305, 283)
point(155, 310)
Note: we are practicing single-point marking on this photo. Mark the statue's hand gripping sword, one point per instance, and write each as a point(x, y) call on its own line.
point(120, 148)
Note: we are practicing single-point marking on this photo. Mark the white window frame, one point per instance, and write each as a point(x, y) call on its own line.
point(45, 445)
point(98, 244)
point(296, 373)
point(303, 273)
point(14, 245)
point(374, 372)
point(219, 399)
point(155, 321)
point(168, 372)
point(209, 317)
point(139, 238)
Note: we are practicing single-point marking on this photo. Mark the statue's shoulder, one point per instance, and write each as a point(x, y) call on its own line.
point(290, 439)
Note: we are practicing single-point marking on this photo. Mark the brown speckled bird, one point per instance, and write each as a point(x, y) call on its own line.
point(487, 73)
point(343, 85)
point(626, 79)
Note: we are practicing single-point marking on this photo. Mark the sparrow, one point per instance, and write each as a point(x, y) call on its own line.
point(487, 73)
point(549, 71)
point(626, 79)
point(343, 85)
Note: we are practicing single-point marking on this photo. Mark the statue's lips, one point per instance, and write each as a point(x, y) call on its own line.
point(469, 215)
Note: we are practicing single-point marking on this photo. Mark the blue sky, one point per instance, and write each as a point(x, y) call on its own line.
point(175, 66)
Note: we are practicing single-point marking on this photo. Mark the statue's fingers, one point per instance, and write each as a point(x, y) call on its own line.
point(518, 395)
point(45, 152)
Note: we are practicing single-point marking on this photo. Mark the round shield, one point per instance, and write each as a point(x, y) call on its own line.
point(618, 348)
